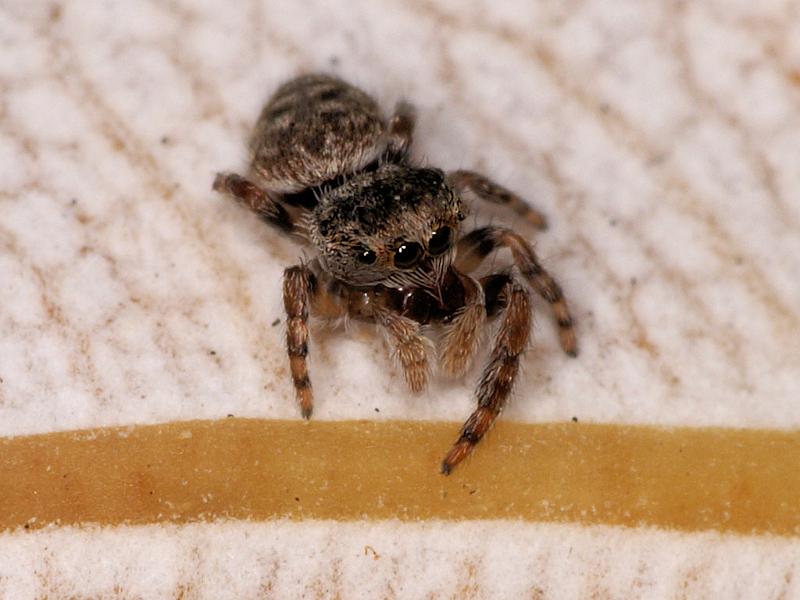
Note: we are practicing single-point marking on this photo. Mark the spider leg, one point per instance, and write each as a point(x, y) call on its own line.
point(298, 286)
point(300, 289)
point(411, 347)
point(493, 289)
point(462, 335)
point(478, 244)
point(489, 191)
point(250, 195)
point(498, 376)
point(401, 132)
point(307, 289)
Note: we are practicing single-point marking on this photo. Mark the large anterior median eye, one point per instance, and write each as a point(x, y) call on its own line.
point(440, 240)
point(407, 255)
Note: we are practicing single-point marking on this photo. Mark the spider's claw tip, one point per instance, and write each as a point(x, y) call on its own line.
point(446, 468)
point(573, 352)
point(306, 412)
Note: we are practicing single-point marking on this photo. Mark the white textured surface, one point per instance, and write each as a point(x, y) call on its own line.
point(495, 560)
point(661, 139)
point(662, 144)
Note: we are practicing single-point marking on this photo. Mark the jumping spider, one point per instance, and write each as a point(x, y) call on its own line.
point(330, 171)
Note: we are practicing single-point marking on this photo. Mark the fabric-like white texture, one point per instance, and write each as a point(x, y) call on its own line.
point(660, 139)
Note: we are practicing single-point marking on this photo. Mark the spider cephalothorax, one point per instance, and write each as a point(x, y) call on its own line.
point(395, 226)
point(328, 169)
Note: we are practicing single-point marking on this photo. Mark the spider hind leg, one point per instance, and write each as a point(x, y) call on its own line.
point(251, 196)
point(401, 132)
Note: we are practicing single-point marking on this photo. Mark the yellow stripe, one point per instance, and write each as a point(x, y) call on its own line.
point(691, 479)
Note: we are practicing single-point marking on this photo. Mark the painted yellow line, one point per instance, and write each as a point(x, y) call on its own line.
point(690, 479)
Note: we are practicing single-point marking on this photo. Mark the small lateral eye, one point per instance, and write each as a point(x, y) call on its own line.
point(366, 256)
point(440, 240)
point(407, 255)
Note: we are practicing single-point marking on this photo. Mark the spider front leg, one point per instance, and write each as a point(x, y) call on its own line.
point(298, 286)
point(462, 335)
point(305, 289)
point(489, 191)
point(478, 244)
point(251, 196)
point(498, 377)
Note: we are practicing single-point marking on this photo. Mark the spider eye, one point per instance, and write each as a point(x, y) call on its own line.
point(407, 255)
point(366, 256)
point(440, 240)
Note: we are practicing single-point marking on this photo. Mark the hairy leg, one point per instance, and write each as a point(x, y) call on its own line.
point(411, 348)
point(489, 191)
point(401, 132)
point(248, 194)
point(298, 287)
point(478, 244)
point(493, 289)
point(463, 333)
point(498, 377)
point(306, 290)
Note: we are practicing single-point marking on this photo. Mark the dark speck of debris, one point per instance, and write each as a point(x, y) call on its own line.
point(165, 140)
point(230, 416)
point(612, 222)
point(574, 419)
point(470, 490)
point(634, 281)
point(276, 322)
point(334, 61)
point(376, 408)
point(212, 352)
point(296, 499)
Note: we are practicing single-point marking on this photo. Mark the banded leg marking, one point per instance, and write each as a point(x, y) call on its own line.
point(298, 284)
point(474, 247)
point(498, 377)
point(489, 191)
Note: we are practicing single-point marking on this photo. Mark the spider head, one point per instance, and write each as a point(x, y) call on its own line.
point(395, 226)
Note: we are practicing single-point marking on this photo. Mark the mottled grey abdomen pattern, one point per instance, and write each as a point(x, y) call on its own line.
point(313, 129)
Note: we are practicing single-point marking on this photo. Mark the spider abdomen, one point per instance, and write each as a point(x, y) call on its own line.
point(314, 129)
